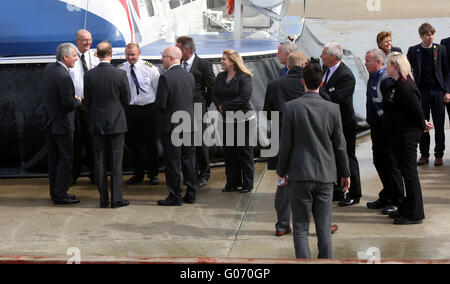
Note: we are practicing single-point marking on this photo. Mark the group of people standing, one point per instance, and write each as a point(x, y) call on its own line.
point(102, 108)
point(317, 161)
point(91, 105)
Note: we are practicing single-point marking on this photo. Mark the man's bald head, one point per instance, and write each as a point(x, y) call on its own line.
point(83, 40)
point(104, 50)
point(171, 56)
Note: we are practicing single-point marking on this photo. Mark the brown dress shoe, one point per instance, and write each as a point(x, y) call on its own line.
point(422, 161)
point(438, 162)
point(282, 233)
point(334, 228)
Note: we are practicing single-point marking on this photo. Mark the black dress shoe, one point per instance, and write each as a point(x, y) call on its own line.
point(377, 204)
point(118, 204)
point(154, 181)
point(229, 188)
point(202, 182)
point(389, 209)
point(134, 180)
point(169, 202)
point(395, 214)
point(189, 200)
point(104, 204)
point(65, 201)
point(404, 221)
point(245, 190)
point(348, 201)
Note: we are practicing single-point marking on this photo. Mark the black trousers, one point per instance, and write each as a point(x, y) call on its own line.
point(239, 164)
point(355, 182)
point(179, 159)
point(386, 166)
point(433, 100)
point(60, 161)
point(82, 140)
point(202, 152)
point(404, 146)
point(141, 139)
point(109, 146)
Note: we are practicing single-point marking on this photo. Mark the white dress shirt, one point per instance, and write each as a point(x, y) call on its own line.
point(77, 72)
point(147, 77)
point(189, 63)
point(332, 69)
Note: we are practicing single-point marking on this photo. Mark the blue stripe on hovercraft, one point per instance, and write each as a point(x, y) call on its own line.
point(30, 27)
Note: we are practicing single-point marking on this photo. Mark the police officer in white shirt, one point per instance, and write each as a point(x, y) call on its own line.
point(141, 115)
point(86, 61)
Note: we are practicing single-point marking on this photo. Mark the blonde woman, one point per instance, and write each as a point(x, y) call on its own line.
point(404, 123)
point(231, 93)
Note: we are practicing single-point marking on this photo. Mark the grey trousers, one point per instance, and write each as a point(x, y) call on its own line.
point(307, 197)
point(283, 209)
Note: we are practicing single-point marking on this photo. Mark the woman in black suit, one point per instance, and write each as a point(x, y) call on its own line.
point(404, 122)
point(231, 93)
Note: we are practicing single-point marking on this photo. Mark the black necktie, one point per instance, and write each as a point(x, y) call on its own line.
point(185, 65)
point(135, 80)
point(83, 62)
point(326, 76)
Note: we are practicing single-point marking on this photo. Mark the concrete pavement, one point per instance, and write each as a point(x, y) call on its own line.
point(225, 226)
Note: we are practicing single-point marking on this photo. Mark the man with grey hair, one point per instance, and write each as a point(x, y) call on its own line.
point(284, 49)
point(339, 83)
point(60, 103)
point(380, 83)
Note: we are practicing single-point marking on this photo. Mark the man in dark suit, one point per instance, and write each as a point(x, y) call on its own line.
point(432, 76)
point(339, 84)
point(60, 103)
point(107, 94)
point(175, 97)
point(280, 91)
point(312, 155)
point(204, 79)
point(446, 42)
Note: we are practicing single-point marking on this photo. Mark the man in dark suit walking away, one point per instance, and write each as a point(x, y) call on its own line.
point(446, 43)
point(339, 84)
point(432, 76)
point(175, 97)
point(107, 94)
point(280, 91)
point(312, 154)
point(204, 78)
point(60, 103)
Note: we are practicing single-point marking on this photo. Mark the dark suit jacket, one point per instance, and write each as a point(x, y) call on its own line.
point(204, 77)
point(340, 88)
point(441, 68)
point(107, 94)
point(446, 42)
point(280, 91)
point(312, 144)
point(235, 95)
point(175, 93)
point(59, 99)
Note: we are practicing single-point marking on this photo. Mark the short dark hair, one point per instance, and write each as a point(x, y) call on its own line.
point(313, 74)
point(186, 42)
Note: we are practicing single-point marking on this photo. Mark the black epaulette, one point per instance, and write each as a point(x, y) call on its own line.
point(148, 63)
